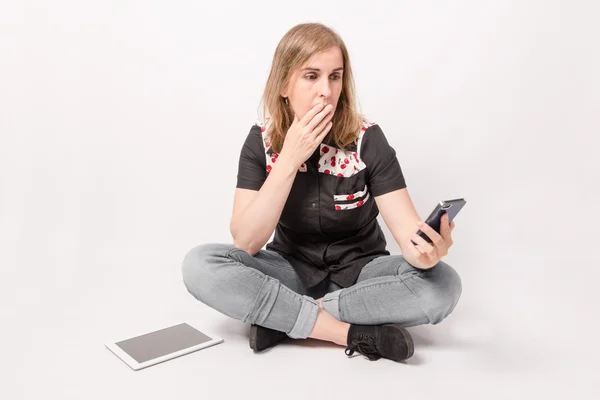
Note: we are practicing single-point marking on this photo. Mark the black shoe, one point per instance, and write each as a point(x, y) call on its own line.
point(375, 341)
point(262, 338)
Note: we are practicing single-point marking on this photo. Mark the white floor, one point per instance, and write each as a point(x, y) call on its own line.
point(514, 334)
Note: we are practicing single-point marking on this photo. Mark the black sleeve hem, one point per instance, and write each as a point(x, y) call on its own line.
point(244, 184)
point(386, 187)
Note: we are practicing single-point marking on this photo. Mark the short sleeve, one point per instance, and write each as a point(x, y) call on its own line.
point(385, 174)
point(252, 163)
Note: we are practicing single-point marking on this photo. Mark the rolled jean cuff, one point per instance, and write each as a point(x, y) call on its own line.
point(307, 317)
point(331, 304)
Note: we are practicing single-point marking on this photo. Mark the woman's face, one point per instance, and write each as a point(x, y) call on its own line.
point(318, 81)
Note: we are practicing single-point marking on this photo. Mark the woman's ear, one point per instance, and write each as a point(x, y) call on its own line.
point(284, 92)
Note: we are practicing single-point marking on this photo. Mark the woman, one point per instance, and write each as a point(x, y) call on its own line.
point(317, 174)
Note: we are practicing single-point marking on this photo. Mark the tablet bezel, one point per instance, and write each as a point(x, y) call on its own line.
point(112, 346)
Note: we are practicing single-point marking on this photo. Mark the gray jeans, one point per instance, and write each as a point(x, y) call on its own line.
point(265, 290)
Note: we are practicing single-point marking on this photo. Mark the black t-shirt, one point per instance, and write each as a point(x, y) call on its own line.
point(328, 225)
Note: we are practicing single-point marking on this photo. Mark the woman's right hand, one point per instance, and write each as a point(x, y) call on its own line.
point(306, 134)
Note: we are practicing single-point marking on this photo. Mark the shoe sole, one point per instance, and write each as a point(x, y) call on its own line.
point(397, 356)
point(254, 339)
point(253, 336)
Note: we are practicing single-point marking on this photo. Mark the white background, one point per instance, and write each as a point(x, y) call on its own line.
point(120, 129)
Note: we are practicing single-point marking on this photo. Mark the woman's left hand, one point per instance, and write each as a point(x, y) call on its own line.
point(425, 255)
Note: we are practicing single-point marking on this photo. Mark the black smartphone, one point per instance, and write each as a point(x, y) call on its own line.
point(452, 207)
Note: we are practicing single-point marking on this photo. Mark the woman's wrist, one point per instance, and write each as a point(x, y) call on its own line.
point(286, 164)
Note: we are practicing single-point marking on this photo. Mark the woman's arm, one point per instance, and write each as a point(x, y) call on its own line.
point(400, 216)
point(256, 213)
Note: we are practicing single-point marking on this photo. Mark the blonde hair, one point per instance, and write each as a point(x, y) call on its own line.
point(296, 47)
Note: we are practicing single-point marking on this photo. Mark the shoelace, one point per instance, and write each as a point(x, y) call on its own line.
point(364, 344)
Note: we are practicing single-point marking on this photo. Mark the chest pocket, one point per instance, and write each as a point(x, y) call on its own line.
point(350, 203)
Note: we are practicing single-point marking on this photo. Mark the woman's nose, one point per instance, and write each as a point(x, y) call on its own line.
point(325, 89)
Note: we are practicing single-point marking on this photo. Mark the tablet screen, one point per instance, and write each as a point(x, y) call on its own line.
point(162, 342)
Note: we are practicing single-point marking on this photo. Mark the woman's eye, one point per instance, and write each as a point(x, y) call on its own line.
point(311, 77)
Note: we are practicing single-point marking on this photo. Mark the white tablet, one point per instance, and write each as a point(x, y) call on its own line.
point(161, 345)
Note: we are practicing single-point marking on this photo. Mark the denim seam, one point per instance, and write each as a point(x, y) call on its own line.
point(418, 304)
point(335, 299)
point(352, 290)
point(420, 272)
point(398, 279)
point(262, 261)
point(379, 260)
point(374, 262)
point(250, 269)
point(308, 309)
point(253, 304)
point(259, 275)
point(277, 265)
